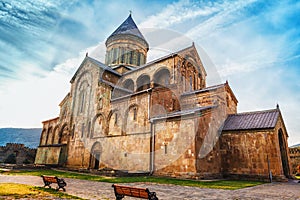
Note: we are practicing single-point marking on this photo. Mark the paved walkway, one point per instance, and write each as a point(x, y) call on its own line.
point(100, 190)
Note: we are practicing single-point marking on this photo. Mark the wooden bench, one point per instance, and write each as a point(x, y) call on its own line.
point(144, 193)
point(48, 180)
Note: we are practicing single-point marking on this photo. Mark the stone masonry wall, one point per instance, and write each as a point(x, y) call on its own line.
point(22, 154)
point(175, 147)
point(295, 159)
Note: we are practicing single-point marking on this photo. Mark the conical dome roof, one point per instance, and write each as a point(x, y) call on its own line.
point(128, 27)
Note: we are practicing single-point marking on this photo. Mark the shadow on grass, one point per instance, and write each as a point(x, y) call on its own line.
point(214, 184)
point(19, 191)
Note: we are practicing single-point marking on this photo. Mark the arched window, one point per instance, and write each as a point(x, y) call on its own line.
point(134, 113)
point(83, 97)
point(162, 78)
point(143, 82)
point(100, 103)
point(89, 130)
point(98, 126)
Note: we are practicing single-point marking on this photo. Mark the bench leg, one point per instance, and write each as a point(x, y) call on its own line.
point(61, 188)
point(47, 184)
point(119, 197)
point(152, 196)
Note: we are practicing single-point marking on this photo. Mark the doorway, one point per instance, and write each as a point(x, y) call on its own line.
point(95, 156)
point(97, 161)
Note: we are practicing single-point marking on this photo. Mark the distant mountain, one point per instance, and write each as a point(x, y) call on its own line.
point(28, 136)
point(294, 146)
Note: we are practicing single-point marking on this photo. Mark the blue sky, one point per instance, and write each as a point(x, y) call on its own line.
point(254, 44)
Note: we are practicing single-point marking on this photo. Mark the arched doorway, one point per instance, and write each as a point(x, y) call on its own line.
point(95, 156)
point(283, 153)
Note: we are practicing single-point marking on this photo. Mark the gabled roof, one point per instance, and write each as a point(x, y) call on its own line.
point(98, 64)
point(266, 119)
point(128, 27)
point(210, 88)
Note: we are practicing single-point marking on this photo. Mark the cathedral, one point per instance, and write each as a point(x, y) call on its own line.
point(160, 118)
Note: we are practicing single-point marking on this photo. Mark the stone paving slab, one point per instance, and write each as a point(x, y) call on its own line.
point(100, 190)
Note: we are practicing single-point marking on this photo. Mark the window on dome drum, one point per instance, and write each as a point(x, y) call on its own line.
point(115, 56)
point(131, 57)
point(162, 78)
point(138, 59)
point(134, 58)
point(143, 82)
point(122, 55)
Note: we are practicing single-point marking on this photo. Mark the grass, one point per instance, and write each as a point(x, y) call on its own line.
point(216, 184)
point(18, 191)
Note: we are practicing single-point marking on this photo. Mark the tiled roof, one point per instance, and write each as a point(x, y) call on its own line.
point(252, 120)
point(128, 27)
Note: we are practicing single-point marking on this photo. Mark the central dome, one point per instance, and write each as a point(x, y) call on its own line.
point(126, 45)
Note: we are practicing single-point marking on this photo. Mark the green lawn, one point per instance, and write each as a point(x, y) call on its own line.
point(18, 191)
point(218, 184)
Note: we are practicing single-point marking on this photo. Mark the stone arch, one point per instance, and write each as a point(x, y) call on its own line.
point(143, 82)
point(131, 117)
point(128, 84)
point(43, 139)
point(98, 126)
point(55, 138)
point(82, 96)
point(49, 135)
point(95, 155)
point(162, 77)
point(63, 134)
point(113, 121)
point(283, 153)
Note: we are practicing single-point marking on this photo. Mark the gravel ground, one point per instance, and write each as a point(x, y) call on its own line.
point(99, 190)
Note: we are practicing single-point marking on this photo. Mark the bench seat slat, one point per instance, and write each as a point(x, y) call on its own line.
point(121, 191)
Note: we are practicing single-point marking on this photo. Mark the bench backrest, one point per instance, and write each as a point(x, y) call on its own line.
point(50, 179)
point(131, 191)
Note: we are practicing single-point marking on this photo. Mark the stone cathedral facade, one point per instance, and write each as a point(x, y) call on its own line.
point(160, 118)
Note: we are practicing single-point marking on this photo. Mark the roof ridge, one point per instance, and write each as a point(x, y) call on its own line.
point(255, 112)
